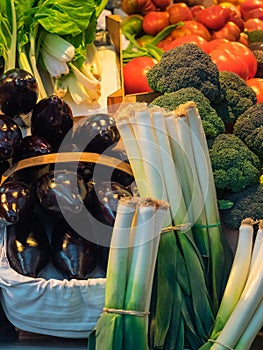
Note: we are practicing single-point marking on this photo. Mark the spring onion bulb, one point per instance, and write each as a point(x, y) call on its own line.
point(135, 240)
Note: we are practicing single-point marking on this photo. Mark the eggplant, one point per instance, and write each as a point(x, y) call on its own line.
point(96, 133)
point(18, 92)
point(61, 192)
point(28, 248)
point(10, 137)
point(102, 200)
point(16, 202)
point(71, 254)
point(52, 118)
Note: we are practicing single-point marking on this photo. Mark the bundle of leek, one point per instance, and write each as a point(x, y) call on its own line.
point(133, 251)
point(170, 161)
point(240, 316)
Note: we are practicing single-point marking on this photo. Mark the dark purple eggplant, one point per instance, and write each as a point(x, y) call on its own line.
point(28, 248)
point(31, 146)
point(52, 118)
point(71, 254)
point(61, 192)
point(96, 133)
point(102, 200)
point(103, 173)
point(16, 202)
point(10, 137)
point(18, 92)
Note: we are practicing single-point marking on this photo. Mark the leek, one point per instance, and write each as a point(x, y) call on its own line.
point(247, 307)
point(135, 240)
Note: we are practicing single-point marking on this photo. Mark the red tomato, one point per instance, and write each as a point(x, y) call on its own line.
point(247, 5)
point(192, 38)
point(226, 60)
point(213, 44)
point(245, 53)
point(161, 4)
point(191, 27)
point(134, 75)
point(179, 12)
point(155, 21)
point(196, 9)
point(213, 17)
point(257, 85)
point(253, 24)
point(255, 13)
point(229, 31)
point(231, 6)
point(243, 38)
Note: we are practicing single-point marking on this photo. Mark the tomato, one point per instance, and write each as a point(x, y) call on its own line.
point(213, 44)
point(231, 6)
point(257, 85)
point(161, 4)
point(253, 24)
point(179, 12)
point(213, 17)
point(226, 60)
point(196, 9)
point(154, 22)
point(247, 5)
point(134, 74)
point(243, 39)
point(134, 6)
point(229, 31)
point(192, 38)
point(191, 27)
point(245, 53)
point(255, 13)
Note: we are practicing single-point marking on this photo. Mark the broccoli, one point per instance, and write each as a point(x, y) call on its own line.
point(246, 203)
point(185, 66)
point(212, 124)
point(249, 128)
point(255, 36)
point(234, 166)
point(237, 97)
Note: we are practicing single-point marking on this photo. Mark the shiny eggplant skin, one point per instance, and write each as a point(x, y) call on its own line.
point(18, 92)
point(10, 137)
point(28, 248)
point(32, 146)
point(72, 255)
point(96, 133)
point(61, 192)
point(102, 200)
point(52, 118)
point(16, 202)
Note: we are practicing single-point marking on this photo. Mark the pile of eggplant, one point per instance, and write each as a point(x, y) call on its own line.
point(60, 214)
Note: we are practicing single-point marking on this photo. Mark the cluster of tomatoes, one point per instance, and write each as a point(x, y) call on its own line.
point(221, 30)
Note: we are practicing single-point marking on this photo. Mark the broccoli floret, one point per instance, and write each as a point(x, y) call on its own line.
point(249, 128)
point(234, 166)
point(212, 124)
point(185, 66)
point(237, 97)
point(255, 36)
point(245, 204)
point(259, 57)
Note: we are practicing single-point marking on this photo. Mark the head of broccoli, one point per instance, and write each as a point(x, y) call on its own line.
point(212, 124)
point(185, 66)
point(234, 166)
point(237, 97)
point(247, 203)
point(249, 128)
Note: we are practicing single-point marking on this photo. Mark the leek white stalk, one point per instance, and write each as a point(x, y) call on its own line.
point(246, 307)
point(93, 61)
point(237, 277)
